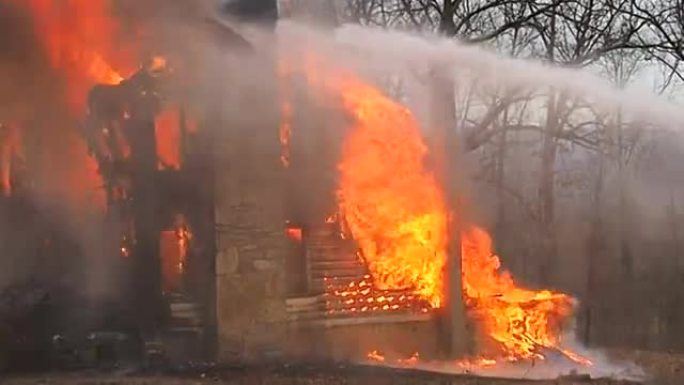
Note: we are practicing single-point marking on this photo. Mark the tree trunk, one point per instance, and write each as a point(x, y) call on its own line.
point(502, 146)
point(629, 309)
point(548, 247)
point(547, 192)
point(447, 27)
point(596, 248)
point(668, 338)
point(626, 257)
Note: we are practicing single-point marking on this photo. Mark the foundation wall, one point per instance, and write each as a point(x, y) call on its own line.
point(353, 342)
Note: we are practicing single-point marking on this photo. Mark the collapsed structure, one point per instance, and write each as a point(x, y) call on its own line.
point(264, 250)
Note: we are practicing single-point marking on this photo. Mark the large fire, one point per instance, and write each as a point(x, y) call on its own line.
point(83, 41)
point(392, 205)
point(79, 37)
point(390, 202)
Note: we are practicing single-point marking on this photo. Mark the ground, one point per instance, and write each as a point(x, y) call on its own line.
point(662, 368)
point(301, 375)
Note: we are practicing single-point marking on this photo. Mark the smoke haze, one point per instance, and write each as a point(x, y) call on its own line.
point(239, 88)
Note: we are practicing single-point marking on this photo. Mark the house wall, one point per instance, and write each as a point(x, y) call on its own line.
point(250, 239)
point(351, 342)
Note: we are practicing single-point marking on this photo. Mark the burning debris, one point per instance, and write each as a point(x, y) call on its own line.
point(526, 324)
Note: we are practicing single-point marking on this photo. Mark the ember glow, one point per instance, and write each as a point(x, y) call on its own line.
point(411, 361)
point(158, 64)
point(285, 129)
point(293, 232)
point(168, 134)
point(364, 296)
point(174, 248)
point(476, 363)
point(376, 356)
point(10, 150)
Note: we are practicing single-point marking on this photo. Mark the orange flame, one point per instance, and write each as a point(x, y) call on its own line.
point(79, 40)
point(285, 129)
point(376, 356)
point(390, 203)
point(171, 260)
point(395, 210)
point(294, 233)
point(158, 64)
point(415, 357)
point(393, 207)
point(475, 363)
point(363, 296)
point(174, 248)
point(522, 321)
point(10, 149)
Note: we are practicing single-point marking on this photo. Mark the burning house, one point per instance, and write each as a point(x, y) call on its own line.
point(246, 244)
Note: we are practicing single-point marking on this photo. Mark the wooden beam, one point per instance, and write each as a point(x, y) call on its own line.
point(361, 320)
point(445, 150)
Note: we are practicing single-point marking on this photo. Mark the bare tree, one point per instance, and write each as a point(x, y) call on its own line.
point(665, 37)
